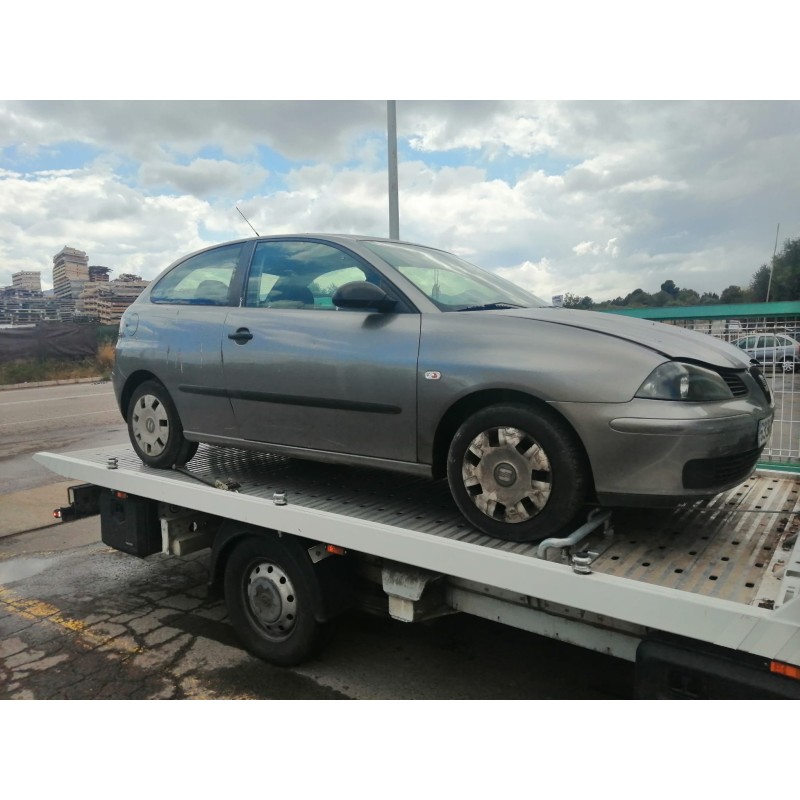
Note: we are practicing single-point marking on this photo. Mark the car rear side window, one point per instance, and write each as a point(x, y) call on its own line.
point(203, 280)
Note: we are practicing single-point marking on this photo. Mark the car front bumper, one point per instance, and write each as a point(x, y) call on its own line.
point(660, 453)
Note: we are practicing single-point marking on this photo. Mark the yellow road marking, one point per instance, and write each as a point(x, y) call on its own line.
point(39, 610)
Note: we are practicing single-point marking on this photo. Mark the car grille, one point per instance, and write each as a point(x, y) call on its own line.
point(718, 473)
point(758, 377)
point(735, 383)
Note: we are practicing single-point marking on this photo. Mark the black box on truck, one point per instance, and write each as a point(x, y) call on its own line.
point(130, 523)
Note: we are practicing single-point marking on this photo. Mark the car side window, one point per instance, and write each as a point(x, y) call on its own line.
point(204, 279)
point(302, 275)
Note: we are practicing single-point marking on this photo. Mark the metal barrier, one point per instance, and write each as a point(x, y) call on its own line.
point(771, 333)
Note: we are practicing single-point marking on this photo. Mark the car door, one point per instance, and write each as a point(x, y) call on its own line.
point(765, 349)
point(191, 302)
point(302, 373)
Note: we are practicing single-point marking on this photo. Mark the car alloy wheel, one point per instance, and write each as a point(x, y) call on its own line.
point(517, 472)
point(507, 474)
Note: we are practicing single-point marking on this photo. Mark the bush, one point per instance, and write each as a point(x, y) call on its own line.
point(36, 370)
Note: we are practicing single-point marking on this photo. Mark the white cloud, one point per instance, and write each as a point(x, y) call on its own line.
point(205, 177)
point(594, 198)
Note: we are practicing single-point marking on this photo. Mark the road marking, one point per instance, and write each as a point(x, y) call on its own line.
point(39, 610)
point(56, 399)
point(53, 419)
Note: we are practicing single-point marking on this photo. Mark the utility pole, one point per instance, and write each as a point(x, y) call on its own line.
point(394, 208)
point(772, 265)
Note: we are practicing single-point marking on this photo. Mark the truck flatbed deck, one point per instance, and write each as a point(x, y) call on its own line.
point(724, 572)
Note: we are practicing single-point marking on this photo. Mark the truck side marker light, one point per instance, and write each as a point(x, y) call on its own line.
point(785, 669)
point(335, 549)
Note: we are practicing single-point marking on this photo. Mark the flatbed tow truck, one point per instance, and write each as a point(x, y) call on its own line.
point(705, 599)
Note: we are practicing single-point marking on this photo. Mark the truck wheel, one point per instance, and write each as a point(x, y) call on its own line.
point(155, 428)
point(517, 472)
point(269, 593)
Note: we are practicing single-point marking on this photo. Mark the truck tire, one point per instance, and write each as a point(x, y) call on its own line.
point(155, 429)
point(517, 473)
point(271, 597)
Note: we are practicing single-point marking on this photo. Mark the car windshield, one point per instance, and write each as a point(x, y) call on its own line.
point(451, 283)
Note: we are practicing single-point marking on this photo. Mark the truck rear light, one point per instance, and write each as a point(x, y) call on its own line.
point(335, 549)
point(790, 671)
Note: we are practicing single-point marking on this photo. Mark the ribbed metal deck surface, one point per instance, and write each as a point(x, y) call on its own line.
point(729, 547)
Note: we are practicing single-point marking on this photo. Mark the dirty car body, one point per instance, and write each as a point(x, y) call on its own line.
point(370, 352)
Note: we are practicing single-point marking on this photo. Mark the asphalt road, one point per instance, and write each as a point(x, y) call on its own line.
point(80, 620)
point(54, 418)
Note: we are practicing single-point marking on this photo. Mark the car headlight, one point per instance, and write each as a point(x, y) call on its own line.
point(676, 381)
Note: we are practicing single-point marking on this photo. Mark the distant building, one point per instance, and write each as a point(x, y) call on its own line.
point(28, 281)
point(79, 292)
point(107, 300)
point(70, 273)
point(25, 307)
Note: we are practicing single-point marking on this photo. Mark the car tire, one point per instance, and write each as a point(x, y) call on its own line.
point(269, 595)
point(155, 428)
point(788, 365)
point(517, 472)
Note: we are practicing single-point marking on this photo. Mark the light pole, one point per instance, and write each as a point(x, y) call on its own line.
point(394, 208)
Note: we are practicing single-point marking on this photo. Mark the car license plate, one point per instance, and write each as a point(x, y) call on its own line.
point(764, 430)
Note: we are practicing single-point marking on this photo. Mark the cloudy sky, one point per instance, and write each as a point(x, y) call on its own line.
point(596, 197)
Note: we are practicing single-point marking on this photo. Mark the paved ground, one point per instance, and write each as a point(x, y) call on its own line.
point(79, 620)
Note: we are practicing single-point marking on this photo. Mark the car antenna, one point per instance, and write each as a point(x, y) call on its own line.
point(247, 221)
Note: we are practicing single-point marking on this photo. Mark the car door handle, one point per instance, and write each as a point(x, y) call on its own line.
point(241, 336)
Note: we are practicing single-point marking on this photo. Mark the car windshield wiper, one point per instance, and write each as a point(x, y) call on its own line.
point(490, 307)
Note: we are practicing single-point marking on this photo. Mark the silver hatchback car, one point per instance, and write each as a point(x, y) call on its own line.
point(776, 350)
point(371, 352)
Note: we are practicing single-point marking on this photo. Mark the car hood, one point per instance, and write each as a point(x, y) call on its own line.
point(668, 340)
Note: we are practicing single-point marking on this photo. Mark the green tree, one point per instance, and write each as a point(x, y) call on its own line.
point(575, 301)
point(733, 294)
point(670, 288)
point(661, 298)
point(759, 284)
point(786, 273)
point(688, 297)
point(639, 298)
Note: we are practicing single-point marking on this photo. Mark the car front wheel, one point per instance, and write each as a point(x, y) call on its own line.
point(517, 473)
point(155, 428)
point(788, 365)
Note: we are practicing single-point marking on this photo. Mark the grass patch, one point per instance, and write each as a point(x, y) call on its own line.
point(36, 370)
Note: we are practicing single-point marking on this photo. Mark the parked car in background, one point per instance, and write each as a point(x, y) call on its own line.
point(775, 350)
point(376, 353)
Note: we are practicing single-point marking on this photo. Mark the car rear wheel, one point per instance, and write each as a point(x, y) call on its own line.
point(517, 473)
point(155, 428)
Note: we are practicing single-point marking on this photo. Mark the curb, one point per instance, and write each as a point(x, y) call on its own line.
point(65, 382)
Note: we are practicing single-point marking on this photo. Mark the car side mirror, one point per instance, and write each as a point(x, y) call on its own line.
point(361, 294)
